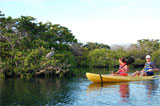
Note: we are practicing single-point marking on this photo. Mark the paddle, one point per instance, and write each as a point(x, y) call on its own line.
point(131, 60)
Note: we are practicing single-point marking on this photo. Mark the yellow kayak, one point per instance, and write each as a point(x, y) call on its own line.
point(107, 78)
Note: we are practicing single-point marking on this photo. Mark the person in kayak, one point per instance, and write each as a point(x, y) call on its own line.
point(148, 69)
point(122, 71)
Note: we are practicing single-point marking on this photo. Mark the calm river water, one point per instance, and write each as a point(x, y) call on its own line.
point(78, 91)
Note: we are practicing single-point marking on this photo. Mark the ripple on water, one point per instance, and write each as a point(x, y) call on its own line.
point(79, 92)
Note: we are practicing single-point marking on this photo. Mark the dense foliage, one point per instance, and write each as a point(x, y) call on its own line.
point(24, 44)
point(108, 57)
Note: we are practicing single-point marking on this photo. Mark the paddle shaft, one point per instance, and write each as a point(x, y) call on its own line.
point(131, 60)
point(119, 68)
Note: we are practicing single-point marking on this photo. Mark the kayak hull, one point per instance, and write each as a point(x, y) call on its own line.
point(108, 78)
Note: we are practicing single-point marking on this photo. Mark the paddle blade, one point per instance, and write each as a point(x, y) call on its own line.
point(131, 60)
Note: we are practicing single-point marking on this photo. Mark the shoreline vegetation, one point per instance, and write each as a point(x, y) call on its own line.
point(24, 44)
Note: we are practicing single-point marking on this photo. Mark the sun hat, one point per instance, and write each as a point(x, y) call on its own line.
point(148, 56)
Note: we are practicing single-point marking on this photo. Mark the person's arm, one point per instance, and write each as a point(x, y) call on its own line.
point(154, 67)
point(142, 70)
point(153, 70)
point(126, 69)
point(115, 72)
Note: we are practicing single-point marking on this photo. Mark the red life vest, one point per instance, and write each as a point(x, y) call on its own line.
point(121, 70)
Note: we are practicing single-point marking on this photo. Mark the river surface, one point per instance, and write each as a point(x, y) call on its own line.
point(78, 91)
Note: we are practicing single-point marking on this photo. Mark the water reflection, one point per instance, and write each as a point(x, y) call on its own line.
point(36, 92)
point(151, 86)
point(122, 86)
point(78, 91)
point(124, 91)
point(98, 86)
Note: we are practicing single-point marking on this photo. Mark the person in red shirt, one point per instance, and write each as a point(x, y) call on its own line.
point(122, 71)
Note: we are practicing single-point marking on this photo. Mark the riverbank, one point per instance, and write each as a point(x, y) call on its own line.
point(31, 49)
point(63, 73)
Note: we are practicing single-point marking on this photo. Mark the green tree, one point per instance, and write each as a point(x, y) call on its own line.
point(156, 57)
point(102, 58)
point(1, 14)
point(148, 45)
point(97, 57)
point(24, 44)
point(92, 46)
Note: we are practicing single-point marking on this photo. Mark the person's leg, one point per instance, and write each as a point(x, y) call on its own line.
point(150, 73)
point(143, 74)
point(113, 74)
point(136, 73)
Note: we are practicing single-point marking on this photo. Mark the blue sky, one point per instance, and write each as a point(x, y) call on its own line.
point(103, 21)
